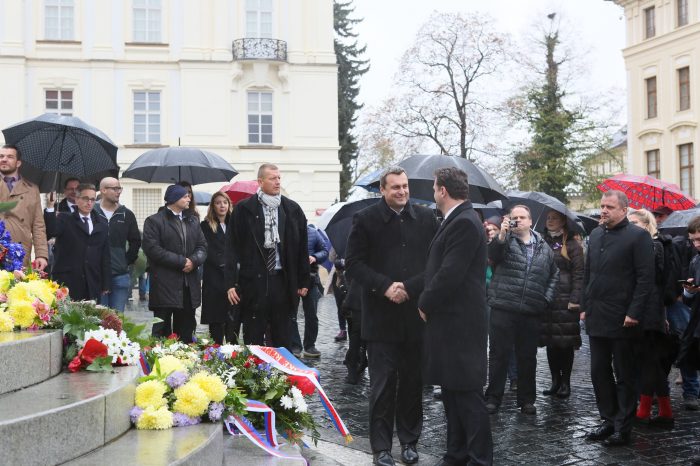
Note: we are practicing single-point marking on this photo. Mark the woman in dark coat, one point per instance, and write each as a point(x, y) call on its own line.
point(216, 309)
point(561, 332)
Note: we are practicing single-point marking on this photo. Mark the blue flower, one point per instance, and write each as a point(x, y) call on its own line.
point(176, 379)
point(183, 420)
point(215, 411)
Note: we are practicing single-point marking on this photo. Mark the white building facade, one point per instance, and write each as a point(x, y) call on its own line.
point(662, 57)
point(251, 80)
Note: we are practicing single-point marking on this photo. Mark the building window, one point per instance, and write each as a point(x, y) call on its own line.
point(684, 88)
point(146, 201)
point(685, 156)
point(58, 19)
point(649, 22)
point(260, 117)
point(258, 18)
point(682, 12)
point(146, 117)
point(653, 163)
point(59, 102)
point(147, 20)
point(651, 97)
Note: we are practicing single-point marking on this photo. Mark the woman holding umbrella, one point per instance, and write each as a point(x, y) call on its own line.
point(561, 332)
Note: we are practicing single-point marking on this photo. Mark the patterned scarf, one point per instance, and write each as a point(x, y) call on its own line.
point(270, 204)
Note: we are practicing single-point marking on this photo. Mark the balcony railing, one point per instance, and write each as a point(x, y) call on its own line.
point(259, 49)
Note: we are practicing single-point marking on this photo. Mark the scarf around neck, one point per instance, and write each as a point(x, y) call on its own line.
point(270, 204)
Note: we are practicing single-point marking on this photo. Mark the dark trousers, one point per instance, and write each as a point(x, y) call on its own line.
point(396, 390)
point(273, 309)
point(614, 392)
point(508, 329)
point(339, 296)
point(355, 356)
point(183, 319)
point(468, 428)
point(310, 305)
point(560, 360)
point(657, 352)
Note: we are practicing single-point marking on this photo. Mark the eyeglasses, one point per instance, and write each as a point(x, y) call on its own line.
point(87, 199)
point(115, 188)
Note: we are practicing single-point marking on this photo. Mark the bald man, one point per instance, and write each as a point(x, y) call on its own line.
point(123, 232)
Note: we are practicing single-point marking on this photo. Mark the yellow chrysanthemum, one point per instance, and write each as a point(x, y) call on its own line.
point(191, 400)
point(152, 418)
point(5, 280)
point(42, 290)
point(6, 322)
point(150, 394)
point(19, 292)
point(211, 384)
point(169, 364)
point(22, 312)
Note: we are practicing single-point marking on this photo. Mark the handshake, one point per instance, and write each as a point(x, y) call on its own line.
point(396, 293)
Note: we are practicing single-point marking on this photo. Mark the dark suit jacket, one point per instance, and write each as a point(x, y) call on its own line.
point(81, 261)
point(63, 206)
point(385, 247)
point(215, 305)
point(454, 300)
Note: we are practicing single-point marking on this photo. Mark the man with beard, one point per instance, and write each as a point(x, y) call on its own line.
point(386, 255)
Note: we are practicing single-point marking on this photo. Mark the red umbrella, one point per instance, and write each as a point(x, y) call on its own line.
point(240, 190)
point(647, 192)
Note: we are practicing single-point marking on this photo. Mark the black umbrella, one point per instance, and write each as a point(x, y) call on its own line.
point(201, 198)
point(677, 222)
point(338, 227)
point(588, 223)
point(420, 168)
point(541, 203)
point(173, 164)
point(56, 147)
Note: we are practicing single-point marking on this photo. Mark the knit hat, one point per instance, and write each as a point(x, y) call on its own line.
point(174, 193)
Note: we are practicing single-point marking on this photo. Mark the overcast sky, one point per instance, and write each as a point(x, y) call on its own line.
point(389, 26)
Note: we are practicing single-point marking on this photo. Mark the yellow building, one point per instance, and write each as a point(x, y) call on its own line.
point(662, 57)
point(251, 80)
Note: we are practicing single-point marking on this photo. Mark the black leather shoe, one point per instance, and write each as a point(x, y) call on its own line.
point(601, 433)
point(409, 455)
point(556, 383)
point(564, 391)
point(384, 458)
point(617, 439)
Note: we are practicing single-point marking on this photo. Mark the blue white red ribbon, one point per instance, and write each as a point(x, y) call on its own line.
point(143, 364)
point(236, 424)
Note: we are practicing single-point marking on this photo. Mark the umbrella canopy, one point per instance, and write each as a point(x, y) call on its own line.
point(174, 164)
point(240, 190)
point(647, 192)
point(541, 203)
point(677, 222)
point(338, 227)
point(586, 222)
point(56, 147)
point(201, 198)
point(420, 168)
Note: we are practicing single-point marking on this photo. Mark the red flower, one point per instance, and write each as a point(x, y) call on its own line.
point(302, 383)
point(92, 350)
point(233, 355)
point(75, 364)
point(173, 336)
point(257, 360)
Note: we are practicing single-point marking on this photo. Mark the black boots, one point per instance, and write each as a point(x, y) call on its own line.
point(556, 384)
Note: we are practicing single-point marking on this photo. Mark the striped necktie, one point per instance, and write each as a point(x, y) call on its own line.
point(271, 259)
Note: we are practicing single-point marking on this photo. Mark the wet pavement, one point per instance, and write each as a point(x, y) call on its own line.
point(555, 436)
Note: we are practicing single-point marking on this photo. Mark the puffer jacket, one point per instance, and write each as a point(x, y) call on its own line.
point(515, 287)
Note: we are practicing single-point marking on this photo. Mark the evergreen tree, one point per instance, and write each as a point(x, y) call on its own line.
point(350, 68)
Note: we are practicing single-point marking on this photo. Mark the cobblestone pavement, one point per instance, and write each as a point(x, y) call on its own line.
point(555, 436)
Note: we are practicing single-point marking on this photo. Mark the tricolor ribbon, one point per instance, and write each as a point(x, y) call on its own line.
point(143, 364)
point(255, 406)
point(236, 424)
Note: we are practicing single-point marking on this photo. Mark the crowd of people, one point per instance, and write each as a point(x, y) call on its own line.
point(451, 300)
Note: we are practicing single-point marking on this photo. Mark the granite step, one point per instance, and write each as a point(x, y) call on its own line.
point(29, 357)
point(66, 416)
point(183, 446)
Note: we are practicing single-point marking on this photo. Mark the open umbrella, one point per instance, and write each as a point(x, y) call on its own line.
point(201, 198)
point(677, 222)
point(647, 192)
point(541, 203)
point(239, 190)
point(55, 147)
point(420, 168)
point(338, 227)
point(174, 164)
point(588, 223)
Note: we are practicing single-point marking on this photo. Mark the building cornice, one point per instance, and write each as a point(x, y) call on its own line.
point(692, 124)
point(674, 37)
point(649, 131)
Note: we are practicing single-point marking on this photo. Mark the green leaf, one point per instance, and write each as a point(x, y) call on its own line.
point(103, 364)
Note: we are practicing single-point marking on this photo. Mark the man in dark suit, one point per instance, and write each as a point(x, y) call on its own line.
point(81, 252)
point(386, 254)
point(453, 305)
point(70, 194)
point(268, 234)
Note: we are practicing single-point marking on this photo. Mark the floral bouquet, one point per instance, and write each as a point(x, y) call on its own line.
point(11, 254)
point(103, 348)
point(29, 302)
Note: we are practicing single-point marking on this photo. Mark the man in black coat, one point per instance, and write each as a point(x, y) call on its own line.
point(175, 246)
point(268, 234)
point(453, 305)
point(386, 255)
point(81, 252)
point(617, 282)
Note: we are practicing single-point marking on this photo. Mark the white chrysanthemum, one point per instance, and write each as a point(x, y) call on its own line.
point(300, 405)
point(287, 402)
point(227, 350)
point(296, 393)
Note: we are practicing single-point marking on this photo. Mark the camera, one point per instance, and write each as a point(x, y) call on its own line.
point(513, 223)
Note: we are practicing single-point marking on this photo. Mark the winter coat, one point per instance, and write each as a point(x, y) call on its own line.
point(618, 280)
point(454, 301)
point(215, 304)
point(515, 287)
point(655, 317)
point(316, 247)
point(25, 221)
point(560, 325)
point(385, 247)
point(166, 250)
point(123, 230)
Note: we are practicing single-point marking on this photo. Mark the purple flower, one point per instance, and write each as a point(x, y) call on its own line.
point(183, 420)
point(176, 379)
point(215, 411)
point(266, 367)
point(135, 414)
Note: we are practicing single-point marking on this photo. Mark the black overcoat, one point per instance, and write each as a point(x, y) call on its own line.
point(81, 260)
point(215, 304)
point(247, 240)
point(166, 251)
point(454, 300)
point(385, 247)
point(618, 279)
